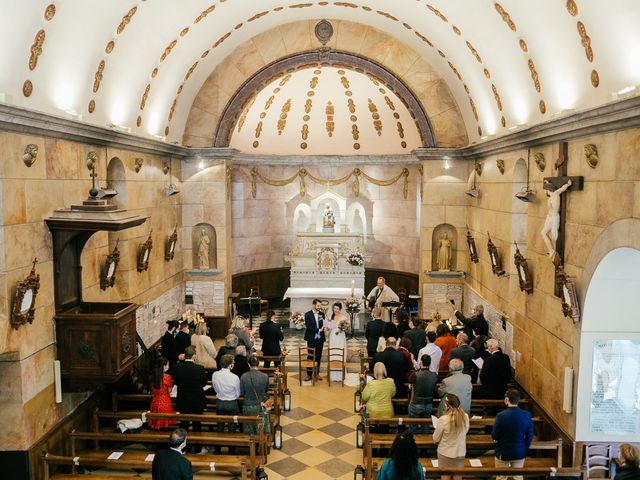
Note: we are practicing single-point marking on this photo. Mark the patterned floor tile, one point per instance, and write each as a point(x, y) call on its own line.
point(336, 430)
point(336, 447)
point(297, 428)
point(309, 474)
point(287, 467)
point(313, 457)
point(293, 446)
point(316, 421)
point(299, 413)
point(335, 467)
point(336, 414)
point(315, 438)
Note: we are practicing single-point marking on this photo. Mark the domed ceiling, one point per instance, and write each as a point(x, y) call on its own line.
point(325, 110)
point(139, 64)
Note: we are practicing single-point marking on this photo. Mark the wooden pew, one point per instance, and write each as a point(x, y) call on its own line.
point(130, 461)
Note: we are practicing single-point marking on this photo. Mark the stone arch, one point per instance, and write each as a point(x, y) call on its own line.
point(116, 179)
point(258, 81)
point(407, 64)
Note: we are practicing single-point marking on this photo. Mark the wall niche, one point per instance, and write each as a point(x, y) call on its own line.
point(204, 247)
point(444, 248)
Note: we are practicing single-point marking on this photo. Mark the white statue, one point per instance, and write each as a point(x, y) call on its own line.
point(444, 253)
point(328, 219)
point(549, 231)
point(203, 251)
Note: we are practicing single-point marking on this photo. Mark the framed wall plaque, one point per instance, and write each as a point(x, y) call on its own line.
point(143, 254)
point(170, 246)
point(569, 297)
point(108, 273)
point(524, 276)
point(496, 261)
point(24, 302)
point(473, 252)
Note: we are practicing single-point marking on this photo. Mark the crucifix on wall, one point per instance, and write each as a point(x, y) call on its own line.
point(553, 230)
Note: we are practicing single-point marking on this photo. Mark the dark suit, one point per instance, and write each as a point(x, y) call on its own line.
point(466, 354)
point(418, 338)
point(373, 332)
point(495, 375)
point(476, 325)
point(190, 378)
point(240, 365)
point(168, 348)
point(397, 367)
point(183, 340)
point(314, 329)
point(170, 465)
point(271, 336)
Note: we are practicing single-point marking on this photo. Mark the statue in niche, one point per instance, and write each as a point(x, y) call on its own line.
point(203, 251)
point(444, 253)
point(549, 231)
point(328, 219)
point(358, 224)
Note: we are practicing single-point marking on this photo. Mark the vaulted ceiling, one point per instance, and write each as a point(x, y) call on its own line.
point(139, 64)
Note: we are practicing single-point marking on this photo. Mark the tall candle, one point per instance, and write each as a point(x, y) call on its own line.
point(353, 284)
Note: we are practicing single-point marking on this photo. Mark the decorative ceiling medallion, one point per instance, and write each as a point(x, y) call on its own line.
point(487, 74)
point(185, 30)
point(205, 53)
point(36, 49)
point(479, 131)
point(456, 30)
point(167, 50)
point(595, 78)
point(506, 17)
point(126, 19)
point(523, 45)
point(92, 106)
point(27, 88)
point(356, 146)
point(330, 125)
point(403, 144)
point(543, 107)
point(49, 12)
point(500, 165)
point(139, 121)
point(256, 144)
point(541, 162)
point(154, 72)
point(437, 13)
point(166, 130)
point(143, 100)
point(303, 145)
point(238, 26)
point(591, 155)
point(31, 153)
point(205, 13)
point(474, 52)
point(496, 96)
point(110, 46)
point(97, 78)
point(407, 26)
point(585, 39)
point(323, 31)
point(503, 121)
point(534, 75)
point(572, 7)
point(441, 53)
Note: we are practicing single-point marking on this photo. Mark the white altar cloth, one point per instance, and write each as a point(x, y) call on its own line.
point(321, 293)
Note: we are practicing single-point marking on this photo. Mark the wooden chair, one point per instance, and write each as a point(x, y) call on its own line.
point(598, 460)
point(306, 359)
point(335, 363)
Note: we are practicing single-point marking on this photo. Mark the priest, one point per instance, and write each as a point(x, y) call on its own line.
point(380, 294)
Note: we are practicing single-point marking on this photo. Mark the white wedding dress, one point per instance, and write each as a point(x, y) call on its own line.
point(337, 339)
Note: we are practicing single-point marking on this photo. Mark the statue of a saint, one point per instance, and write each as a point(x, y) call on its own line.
point(549, 231)
point(444, 253)
point(203, 251)
point(328, 219)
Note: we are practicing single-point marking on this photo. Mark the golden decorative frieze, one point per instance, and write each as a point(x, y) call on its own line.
point(36, 49)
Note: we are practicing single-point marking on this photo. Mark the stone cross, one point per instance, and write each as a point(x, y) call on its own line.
point(559, 183)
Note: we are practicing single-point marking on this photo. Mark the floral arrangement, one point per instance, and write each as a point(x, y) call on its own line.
point(352, 304)
point(356, 259)
point(343, 326)
point(297, 318)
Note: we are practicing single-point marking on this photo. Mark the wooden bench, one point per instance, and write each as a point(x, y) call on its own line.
point(130, 461)
point(489, 471)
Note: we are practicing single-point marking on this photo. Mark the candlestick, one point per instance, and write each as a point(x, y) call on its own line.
point(353, 284)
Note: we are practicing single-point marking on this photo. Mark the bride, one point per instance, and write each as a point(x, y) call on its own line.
point(337, 338)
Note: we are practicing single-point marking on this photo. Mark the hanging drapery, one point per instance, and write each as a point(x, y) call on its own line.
point(303, 173)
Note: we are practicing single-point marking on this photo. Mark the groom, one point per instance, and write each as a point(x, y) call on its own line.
point(314, 334)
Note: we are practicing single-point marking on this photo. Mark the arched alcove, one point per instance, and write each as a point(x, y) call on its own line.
point(608, 394)
point(518, 213)
point(444, 231)
point(116, 179)
point(301, 218)
point(204, 243)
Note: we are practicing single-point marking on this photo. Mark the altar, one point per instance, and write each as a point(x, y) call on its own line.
point(319, 269)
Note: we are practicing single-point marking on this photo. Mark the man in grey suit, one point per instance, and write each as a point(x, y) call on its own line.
point(464, 352)
point(457, 383)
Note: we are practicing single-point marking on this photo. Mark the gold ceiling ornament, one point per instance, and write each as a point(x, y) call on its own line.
point(97, 78)
point(591, 155)
point(330, 125)
point(243, 117)
point(500, 165)
point(437, 13)
point(505, 16)
point(474, 109)
point(377, 123)
point(303, 173)
point(323, 31)
point(387, 15)
point(30, 154)
point(109, 47)
point(474, 52)
point(27, 88)
point(572, 8)
point(541, 162)
point(282, 121)
point(49, 12)
point(534, 75)
point(595, 78)
point(543, 107)
point(585, 40)
point(168, 49)
point(36, 49)
point(496, 96)
point(143, 100)
point(205, 13)
point(523, 45)
point(126, 19)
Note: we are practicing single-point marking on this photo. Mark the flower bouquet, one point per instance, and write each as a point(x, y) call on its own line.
point(298, 320)
point(355, 259)
point(343, 326)
point(352, 305)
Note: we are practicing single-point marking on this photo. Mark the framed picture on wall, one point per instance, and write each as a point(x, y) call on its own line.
point(496, 261)
point(108, 273)
point(473, 252)
point(569, 298)
point(524, 276)
point(25, 299)
point(143, 255)
point(170, 246)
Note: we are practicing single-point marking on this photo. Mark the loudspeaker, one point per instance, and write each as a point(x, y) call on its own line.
point(567, 397)
point(57, 380)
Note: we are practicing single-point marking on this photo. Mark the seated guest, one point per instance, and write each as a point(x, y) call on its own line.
point(513, 432)
point(464, 352)
point(161, 385)
point(227, 387)
point(168, 344)
point(424, 383)
point(373, 332)
point(271, 335)
point(403, 322)
point(396, 365)
point(205, 350)
point(475, 324)
point(446, 342)
point(170, 464)
point(403, 460)
point(417, 335)
point(240, 363)
point(229, 347)
point(405, 348)
point(377, 393)
point(183, 339)
point(240, 328)
point(433, 351)
point(496, 372)
point(628, 460)
point(457, 383)
point(253, 386)
point(451, 433)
